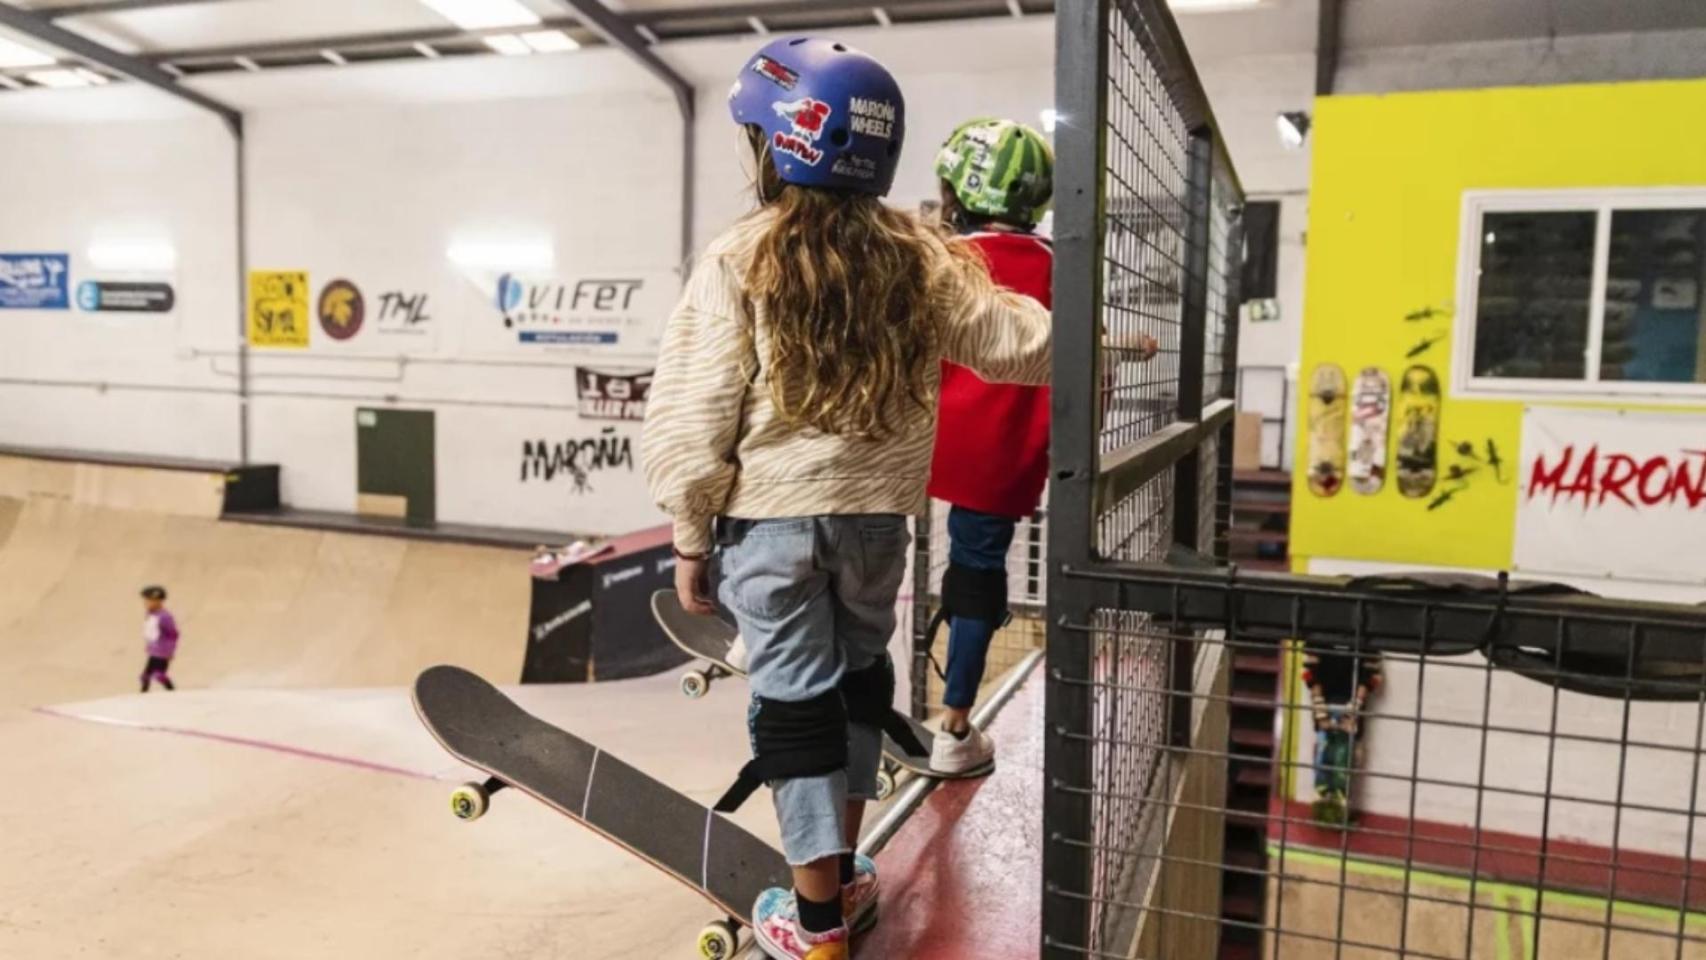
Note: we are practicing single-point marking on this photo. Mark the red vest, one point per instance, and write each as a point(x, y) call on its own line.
point(992, 438)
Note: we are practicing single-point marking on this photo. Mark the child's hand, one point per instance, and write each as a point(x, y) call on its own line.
point(1142, 344)
point(693, 586)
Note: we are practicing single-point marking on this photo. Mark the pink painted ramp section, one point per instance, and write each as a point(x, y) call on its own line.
point(963, 878)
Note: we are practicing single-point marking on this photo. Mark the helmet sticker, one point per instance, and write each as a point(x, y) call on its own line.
point(775, 73)
point(873, 118)
point(808, 117)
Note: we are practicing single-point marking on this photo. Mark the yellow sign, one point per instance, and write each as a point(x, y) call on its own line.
point(278, 308)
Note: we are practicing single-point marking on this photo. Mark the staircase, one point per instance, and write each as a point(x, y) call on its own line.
point(1260, 538)
point(1249, 786)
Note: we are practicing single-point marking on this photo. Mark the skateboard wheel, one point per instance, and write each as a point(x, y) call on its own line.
point(469, 801)
point(695, 684)
point(885, 784)
point(718, 940)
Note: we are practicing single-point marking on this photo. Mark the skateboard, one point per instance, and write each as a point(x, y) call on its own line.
point(475, 723)
point(707, 639)
point(1326, 430)
point(1334, 757)
point(1418, 431)
point(1371, 405)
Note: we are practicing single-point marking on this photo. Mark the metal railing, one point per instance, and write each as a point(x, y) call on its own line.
point(1526, 779)
point(1148, 246)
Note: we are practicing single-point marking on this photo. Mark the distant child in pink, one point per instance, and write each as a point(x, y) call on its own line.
point(160, 633)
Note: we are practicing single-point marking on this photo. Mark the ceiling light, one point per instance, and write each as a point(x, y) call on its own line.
point(147, 256)
point(550, 41)
point(61, 79)
point(426, 51)
point(484, 14)
point(1050, 119)
point(1210, 6)
point(516, 256)
point(15, 54)
point(509, 45)
point(1293, 128)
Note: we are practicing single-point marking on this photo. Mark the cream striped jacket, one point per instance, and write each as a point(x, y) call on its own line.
point(714, 445)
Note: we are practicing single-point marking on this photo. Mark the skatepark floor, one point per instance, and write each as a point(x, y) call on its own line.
point(285, 802)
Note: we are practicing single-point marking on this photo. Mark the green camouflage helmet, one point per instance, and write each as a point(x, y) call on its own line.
point(999, 169)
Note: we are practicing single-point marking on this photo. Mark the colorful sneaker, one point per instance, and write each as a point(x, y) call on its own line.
point(776, 927)
point(859, 898)
point(954, 756)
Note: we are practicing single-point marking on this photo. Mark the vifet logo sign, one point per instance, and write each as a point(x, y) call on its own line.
point(589, 312)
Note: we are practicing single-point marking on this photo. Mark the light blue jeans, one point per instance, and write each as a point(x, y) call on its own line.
point(815, 597)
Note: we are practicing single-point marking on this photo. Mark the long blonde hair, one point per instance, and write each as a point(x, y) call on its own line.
point(846, 283)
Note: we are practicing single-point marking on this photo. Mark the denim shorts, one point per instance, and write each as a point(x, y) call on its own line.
point(815, 597)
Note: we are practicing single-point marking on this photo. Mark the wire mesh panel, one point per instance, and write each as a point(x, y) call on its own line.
point(1145, 202)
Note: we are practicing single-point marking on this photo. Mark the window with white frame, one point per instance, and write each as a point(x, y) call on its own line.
point(1583, 292)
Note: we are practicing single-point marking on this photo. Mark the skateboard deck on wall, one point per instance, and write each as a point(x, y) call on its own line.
point(708, 639)
point(1326, 430)
point(478, 725)
point(1371, 407)
point(1418, 431)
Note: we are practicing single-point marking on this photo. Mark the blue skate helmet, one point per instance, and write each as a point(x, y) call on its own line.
point(832, 116)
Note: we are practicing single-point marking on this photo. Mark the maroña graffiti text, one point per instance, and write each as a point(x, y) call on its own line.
point(576, 460)
point(1597, 477)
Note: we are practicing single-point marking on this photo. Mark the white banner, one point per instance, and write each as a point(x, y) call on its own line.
point(1612, 493)
point(591, 316)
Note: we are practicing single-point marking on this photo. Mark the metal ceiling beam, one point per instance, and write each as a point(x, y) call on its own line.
point(98, 7)
point(1329, 41)
point(33, 25)
point(349, 41)
point(860, 8)
point(617, 31)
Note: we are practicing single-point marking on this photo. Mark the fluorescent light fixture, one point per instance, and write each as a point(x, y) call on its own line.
point(1210, 6)
point(550, 41)
point(63, 79)
point(142, 256)
point(509, 45)
point(426, 51)
point(758, 26)
point(15, 54)
point(247, 64)
point(332, 56)
point(882, 17)
point(9, 83)
point(484, 14)
point(504, 256)
point(1050, 119)
point(1293, 127)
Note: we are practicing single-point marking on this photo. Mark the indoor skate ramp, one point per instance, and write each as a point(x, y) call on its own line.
point(960, 877)
point(282, 824)
point(1325, 907)
point(259, 606)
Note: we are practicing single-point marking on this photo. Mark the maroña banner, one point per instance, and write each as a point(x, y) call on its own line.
point(1612, 493)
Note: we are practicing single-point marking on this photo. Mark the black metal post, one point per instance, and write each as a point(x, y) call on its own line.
point(1081, 56)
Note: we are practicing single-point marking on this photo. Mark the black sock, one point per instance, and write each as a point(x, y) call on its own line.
point(819, 917)
point(846, 869)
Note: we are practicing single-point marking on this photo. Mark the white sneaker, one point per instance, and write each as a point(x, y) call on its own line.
point(737, 654)
point(956, 757)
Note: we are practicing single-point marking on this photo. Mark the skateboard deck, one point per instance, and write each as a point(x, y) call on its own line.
point(1326, 430)
point(478, 725)
point(1418, 431)
point(708, 639)
point(1371, 407)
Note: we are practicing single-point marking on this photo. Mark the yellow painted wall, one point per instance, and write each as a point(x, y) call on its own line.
point(1389, 173)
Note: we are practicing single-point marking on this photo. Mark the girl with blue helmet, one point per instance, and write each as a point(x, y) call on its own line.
point(790, 428)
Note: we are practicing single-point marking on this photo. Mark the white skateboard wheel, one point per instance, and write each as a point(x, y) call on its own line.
point(469, 801)
point(718, 940)
point(694, 684)
point(885, 784)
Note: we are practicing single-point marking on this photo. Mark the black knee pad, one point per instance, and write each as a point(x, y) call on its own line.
point(870, 702)
point(805, 738)
point(975, 594)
